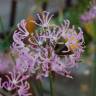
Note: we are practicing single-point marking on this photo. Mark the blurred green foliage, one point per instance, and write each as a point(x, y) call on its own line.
point(5, 37)
point(74, 12)
point(40, 1)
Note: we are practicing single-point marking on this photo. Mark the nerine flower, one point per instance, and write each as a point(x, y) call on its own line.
point(15, 83)
point(89, 15)
point(88, 18)
point(54, 48)
point(19, 35)
point(50, 35)
point(73, 40)
point(44, 19)
point(24, 89)
point(50, 61)
point(9, 86)
point(37, 39)
point(15, 77)
point(26, 63)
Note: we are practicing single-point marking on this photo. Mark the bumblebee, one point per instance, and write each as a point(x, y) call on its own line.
point(30, 26)
point(61, 49)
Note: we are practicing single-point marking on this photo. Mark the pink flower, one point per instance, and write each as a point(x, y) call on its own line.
point(15, 77)
point(16, 82)
point(9, 86)
point(26, 63)
point(44, 19)
point(74, 42)
point(37, 39)
point(52, 35)
point(19, 35)
point(50, 61)
point(54, 48)
point(89, 15)
point(23, 89)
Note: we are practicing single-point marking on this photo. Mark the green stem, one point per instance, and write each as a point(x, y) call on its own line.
point(3, 92)
point(39, 87)
point(32, 86)
point(36, 86)
point(51, 79)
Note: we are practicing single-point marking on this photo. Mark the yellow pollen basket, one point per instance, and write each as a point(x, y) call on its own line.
point(30, 26)
point(75, 45)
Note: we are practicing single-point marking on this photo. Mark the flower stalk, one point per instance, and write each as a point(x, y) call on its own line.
point(5, 93)
point(51, 80)
point(40, 87)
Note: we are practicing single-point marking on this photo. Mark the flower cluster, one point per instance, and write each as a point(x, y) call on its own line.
point(50, 48)
point(15, 84)
point(89, 15)
point(39, 51)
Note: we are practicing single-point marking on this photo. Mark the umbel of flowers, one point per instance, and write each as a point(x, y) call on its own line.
point(48, 48)
point(90, 14)
point(40, 48)
point(89, 19)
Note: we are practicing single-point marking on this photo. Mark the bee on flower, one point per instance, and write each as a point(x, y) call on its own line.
point(50, 47)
